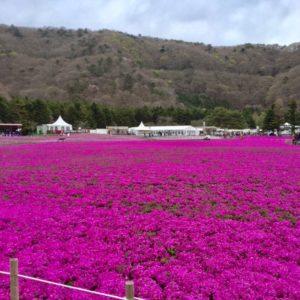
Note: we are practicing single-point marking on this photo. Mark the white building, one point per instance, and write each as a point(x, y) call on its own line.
point(59, 126)
point(177, 130)
point(98, 131)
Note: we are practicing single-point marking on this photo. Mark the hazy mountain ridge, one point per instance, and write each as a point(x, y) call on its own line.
point(120, 69)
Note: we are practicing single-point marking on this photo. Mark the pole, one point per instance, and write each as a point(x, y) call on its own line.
point(14, 281)
point(129, 288)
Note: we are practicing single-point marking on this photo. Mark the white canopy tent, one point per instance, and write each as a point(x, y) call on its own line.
point(143, 130)
point(142, 127)
point(58, 126)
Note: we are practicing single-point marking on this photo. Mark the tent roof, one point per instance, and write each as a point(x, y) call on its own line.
point(142, 126)
point(60, 122)
point(176, 127)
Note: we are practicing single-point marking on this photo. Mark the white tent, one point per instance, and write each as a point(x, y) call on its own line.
point(60, 123)
point(142, 126)
point(143, 130)
point(57, 127)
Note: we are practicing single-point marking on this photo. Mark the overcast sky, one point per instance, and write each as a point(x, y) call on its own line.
point(218, 22)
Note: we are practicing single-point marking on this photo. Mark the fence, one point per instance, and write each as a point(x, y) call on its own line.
point(14, 284)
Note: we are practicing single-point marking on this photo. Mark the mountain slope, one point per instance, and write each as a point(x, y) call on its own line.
point(119, 69)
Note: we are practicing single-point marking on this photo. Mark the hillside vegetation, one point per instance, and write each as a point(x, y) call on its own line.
point(119, 69)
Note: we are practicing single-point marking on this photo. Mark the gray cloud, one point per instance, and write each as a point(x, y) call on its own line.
point(217, 22)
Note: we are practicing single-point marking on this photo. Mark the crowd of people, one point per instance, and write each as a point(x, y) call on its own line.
point(11, 133)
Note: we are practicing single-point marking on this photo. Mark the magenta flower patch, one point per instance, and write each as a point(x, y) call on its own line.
point(185, 219)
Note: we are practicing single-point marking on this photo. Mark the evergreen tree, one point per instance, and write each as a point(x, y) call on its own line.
point(101, 118)
point(226, 118)
point(56, 109)
point(125, 117)
point(98, 116)
point(182, 116)
point(292, 111)
point(39, 112)
point(271, 120)
point(143, 114)
point(17, 110)
point(248, 116)
point(4, 111)
point(109, 116)
point(156, 112)
point(73, 114)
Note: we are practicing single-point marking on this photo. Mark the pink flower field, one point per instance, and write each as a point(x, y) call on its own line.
point(186, 220)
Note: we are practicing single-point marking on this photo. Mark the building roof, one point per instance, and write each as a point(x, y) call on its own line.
point(59, 122)
point(11, 124)
point(142, 127)
point(176, 128)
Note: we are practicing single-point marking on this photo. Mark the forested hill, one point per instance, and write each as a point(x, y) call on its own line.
point(120, 69)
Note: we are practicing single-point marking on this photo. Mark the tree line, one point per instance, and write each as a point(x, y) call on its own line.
point(32, 112)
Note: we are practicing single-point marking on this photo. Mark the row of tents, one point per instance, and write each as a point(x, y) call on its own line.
point(60, 126)
point(143, 130)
